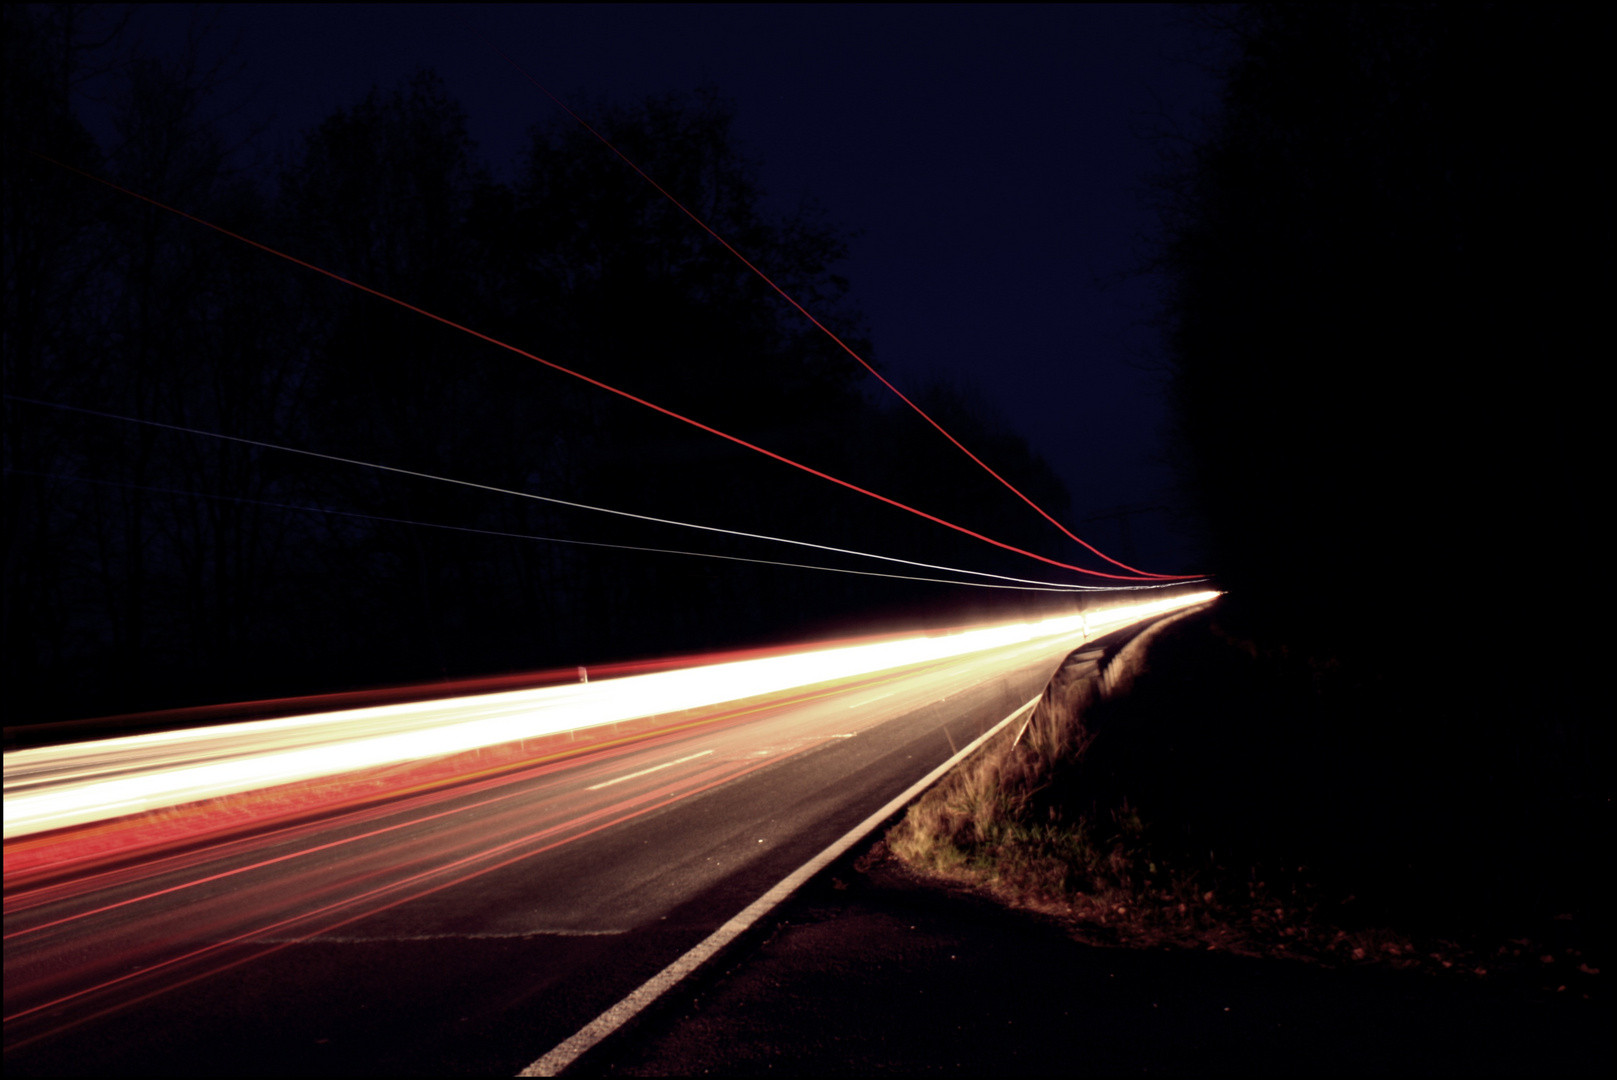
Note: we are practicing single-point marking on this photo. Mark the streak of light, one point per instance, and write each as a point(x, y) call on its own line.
point(924, 415)
point(54, 787)
point(646, 772)
point(506, 786)
point(301, 853)
point(1029, 584)
point(465, 867)
point(333, 275)
point(355, 794)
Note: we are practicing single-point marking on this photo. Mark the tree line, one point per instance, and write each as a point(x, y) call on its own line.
point(147, 566)
point(1390, 266)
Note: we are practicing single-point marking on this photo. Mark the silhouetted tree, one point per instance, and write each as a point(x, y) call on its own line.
point(45, 266)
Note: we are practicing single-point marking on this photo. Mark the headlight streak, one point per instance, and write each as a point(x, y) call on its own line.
point(597, 382)
point(821, 326)
point(602, 755)
point(1047, 587)
point(604, 761)
point(163, 769)
point(253, 897)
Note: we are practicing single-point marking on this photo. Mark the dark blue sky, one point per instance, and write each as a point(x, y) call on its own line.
point(994, 160)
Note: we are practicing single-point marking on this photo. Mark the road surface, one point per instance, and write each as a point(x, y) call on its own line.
point(472, 927)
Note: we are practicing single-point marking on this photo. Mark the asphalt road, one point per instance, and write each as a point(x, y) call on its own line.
point(471, 928)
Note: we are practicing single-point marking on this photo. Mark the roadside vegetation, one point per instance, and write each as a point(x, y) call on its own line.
point(1091, 812)
point(1395, 693)
point(1390, 742)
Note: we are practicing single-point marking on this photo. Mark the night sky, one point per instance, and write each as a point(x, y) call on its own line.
point(994, 163)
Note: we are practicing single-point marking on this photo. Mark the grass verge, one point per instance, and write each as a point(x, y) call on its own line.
point(1008, 822)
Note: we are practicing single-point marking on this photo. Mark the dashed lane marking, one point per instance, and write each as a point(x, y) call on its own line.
point(565, 1053)
point(647, 772)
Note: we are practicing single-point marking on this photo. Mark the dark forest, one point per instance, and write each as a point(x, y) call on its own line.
point(1390, 266)
point(148, 567)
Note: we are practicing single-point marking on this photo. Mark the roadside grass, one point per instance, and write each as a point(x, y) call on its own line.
point(1002, 823)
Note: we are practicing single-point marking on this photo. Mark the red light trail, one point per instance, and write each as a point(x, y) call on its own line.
point(605, 386)
point(823, 328)
point(658, 798)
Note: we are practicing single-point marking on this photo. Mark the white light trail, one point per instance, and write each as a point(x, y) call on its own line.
point(59, 786)
point(1057, 585)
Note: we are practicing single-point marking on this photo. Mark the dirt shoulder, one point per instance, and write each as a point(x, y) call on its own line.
point(875, 969)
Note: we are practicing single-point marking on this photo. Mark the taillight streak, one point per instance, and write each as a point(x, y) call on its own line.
point(664, 794)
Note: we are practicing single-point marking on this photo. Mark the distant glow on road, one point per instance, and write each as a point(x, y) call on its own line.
point(55, 787)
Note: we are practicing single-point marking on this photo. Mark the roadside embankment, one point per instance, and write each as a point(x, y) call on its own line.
point(1139, 805)
point(1120, 886)
point(875, 969)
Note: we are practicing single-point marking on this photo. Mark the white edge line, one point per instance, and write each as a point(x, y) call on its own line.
point(565, 1053)
point(646, 772)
